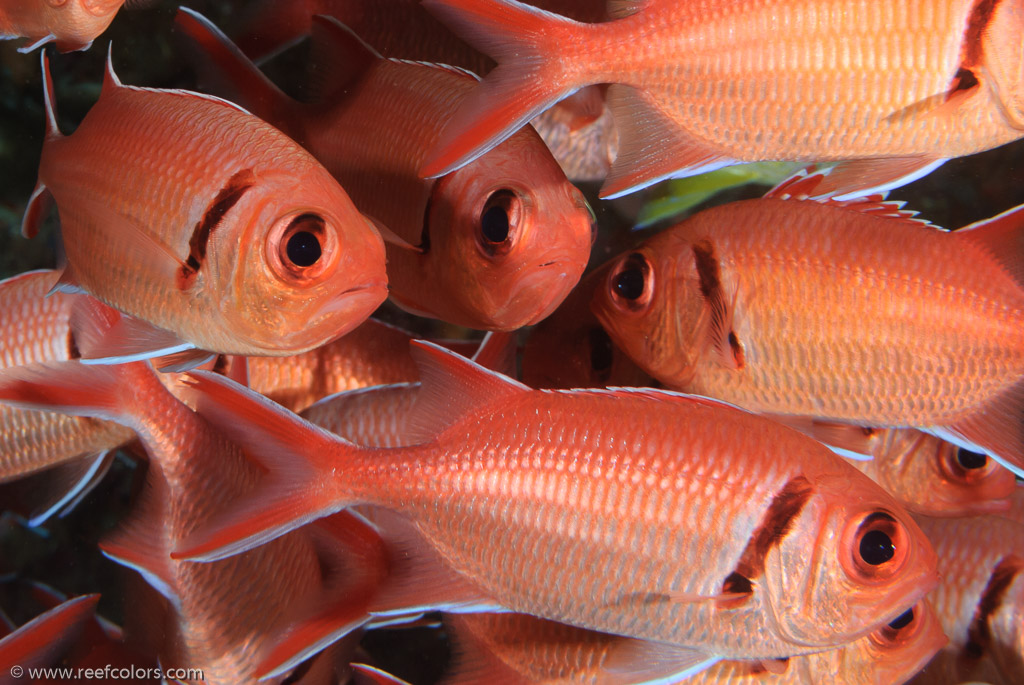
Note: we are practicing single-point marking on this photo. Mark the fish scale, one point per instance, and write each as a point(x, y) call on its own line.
point(527, 513)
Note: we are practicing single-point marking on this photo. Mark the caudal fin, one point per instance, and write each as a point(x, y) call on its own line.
point(526, 81)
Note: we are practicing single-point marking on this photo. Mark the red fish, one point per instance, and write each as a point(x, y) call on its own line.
point(499, 244)
point(896, 85)
point(208, 226)
point(843, 311)
point(70, 24)
point(41, 641)
point(538, 486)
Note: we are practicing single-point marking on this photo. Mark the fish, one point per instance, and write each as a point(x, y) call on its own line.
point(43, 640)
point(208, 228)
point(889, 89)
point(255, 615)
point(845, 311)
point(979, 599)
point(496, 246)
point(517, 648)
point(36, 328)
point(579, 130)
point(537, 485)
point(69, 24)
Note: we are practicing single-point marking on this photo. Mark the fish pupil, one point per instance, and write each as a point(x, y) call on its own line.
point(971, 460)
point(876, 548)
point(630, 283)
point(903, 620)
point(303, 248)
point(494, 224)
point(600, 350)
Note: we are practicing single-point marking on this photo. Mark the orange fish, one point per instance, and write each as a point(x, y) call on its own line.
point(895, 85)
point(208, 226)
point(688, 525)
point(43, 640)
point(979, 600)
point(844, 311)
point(36, 328)
point(256, 614)
point(521, 649)
point(499, 244)
point(579, 131)
point(69, 24)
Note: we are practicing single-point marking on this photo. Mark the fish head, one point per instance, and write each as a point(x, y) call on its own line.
point(650, 304)
point(302, 266)
point(1003, 57)
point(853, 560)
point(570, 349)
point(892, 653)
point(509, 237)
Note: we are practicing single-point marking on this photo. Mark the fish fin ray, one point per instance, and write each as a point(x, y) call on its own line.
point(105, 335)
point(185, 360)
point(852, 442)
point(363, 674)
point(38, 207)
point(1002, 237)
point(419, 579)
point(855, 178)
point(995, 429)
point(49, 634)
point(38, 43)
point(497, 352)
point(339, 58)
point(631, 660)
point(513, 93)
point(294, 452)
point(68, 483)
point(652, 147)
point(452, 387)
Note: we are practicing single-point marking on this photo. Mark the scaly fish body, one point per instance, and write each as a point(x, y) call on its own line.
point(35, 328)
point(833, 311)
point(702, 84)
point(979, 599)
point(221, 232)
point(498, 245)
point(681, 526)
point(71, 24)
point(524, 649)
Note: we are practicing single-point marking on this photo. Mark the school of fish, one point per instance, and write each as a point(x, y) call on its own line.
point(777, 440)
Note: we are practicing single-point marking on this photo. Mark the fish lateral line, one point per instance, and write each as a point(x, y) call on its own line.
point(228, 197)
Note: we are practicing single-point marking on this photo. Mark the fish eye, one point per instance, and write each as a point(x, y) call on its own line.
point(899, 629)
point(601, 351)
point(879, 549)
point(971, 460)
point(631, 283)
point(298, 247)
point(498, 221)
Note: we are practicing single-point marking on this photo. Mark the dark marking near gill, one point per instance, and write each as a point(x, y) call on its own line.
point(425, 231)
point(73, 352)
point(979, 634)
point(711, 288)
point(775, 525)
point(220, 364)
point(971, 46)
point(228, 196)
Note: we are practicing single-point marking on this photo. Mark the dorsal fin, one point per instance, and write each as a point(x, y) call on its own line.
point(805, 184)
point(452, 387)
point(49, 100)
point(110, 79)
point(339, 57)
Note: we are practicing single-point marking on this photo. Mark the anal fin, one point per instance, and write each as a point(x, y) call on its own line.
point(640, 661)
point(69, 483)
point(860, 177)
point(105, 335)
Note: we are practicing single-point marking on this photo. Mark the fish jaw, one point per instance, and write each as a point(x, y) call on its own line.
point(832, 591)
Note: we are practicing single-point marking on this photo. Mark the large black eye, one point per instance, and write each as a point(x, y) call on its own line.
point(903, 620)
point(630, 281)
point(876, 547)
point(971, 460)
point(600, 350)
point(303, 248)
point(498, 221)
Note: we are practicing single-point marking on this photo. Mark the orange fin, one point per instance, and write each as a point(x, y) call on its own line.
point(339, 58)
point(69, 483)
point(105, 335)
point(294, 452)
point(860, 177)
point(497, 352)
point(392, 238)
point(368, 675)
point(522, 39)
point(644, 661)
point(652, 147)
point(185, 360)
point(852, 442)
point(994, 429)
point(38, 43)
point(43, 639)
point(1002, 237)
point(452, 387)
point(355, 562)
point(38, 207)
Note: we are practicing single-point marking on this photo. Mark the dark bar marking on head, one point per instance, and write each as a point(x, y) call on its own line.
point(775, 525)
point(710, 279)
point(979, 634)
point(228, 196)
point(73, 352)
point(978, 22)
point(737, 350)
